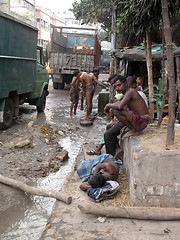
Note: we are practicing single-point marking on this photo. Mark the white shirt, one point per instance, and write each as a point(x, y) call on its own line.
point(144, 97)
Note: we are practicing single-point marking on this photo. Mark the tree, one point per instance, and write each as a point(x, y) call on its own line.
point(171, 75)
point(139, 17)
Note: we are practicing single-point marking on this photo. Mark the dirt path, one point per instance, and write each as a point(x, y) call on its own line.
point(154, 139)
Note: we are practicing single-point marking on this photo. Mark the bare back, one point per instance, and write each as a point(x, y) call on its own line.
point(75, 82)
point(86, 79)
point(135, 102)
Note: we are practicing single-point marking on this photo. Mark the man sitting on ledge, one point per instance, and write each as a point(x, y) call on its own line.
point(131, 111)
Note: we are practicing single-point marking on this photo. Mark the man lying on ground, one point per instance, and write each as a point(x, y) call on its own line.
point(131, 111)
point(105, 165)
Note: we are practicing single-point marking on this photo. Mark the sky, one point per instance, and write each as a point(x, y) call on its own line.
point(56, 5)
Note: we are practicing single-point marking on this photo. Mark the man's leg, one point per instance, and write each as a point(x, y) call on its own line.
point(72, 105)
point(121, 115)
point(128, 130)
point(89, 106)
point(75, 107)
point(82, 101)
point(110, 137)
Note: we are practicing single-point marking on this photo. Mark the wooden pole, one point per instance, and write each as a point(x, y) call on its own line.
point(34, 191)
point(171, 73)
point(150, 77)
point(143, 213)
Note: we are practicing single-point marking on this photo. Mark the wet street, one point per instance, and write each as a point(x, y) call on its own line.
point(24, 216)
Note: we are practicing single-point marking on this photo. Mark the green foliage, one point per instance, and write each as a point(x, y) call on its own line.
point(139, 16)
point(133, 16)
point(93, 11)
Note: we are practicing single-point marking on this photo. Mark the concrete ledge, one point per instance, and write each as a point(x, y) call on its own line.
point(153, 175)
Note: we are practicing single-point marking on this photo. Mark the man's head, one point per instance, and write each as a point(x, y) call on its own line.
point(120, 84)
point(131, 82)
point(76, 73)
point(111, 79)
point(139, 80)
point(96, 71)
point(97, 180)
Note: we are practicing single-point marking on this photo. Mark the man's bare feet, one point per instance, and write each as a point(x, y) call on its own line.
point(124, 130)
point(85, 118)
point(71, 114)
point(118, 154)
point(129, 134)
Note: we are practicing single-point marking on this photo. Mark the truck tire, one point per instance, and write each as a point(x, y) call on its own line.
point(42, 104)
point(55, 85)
point(8, 114)
point(61, 85)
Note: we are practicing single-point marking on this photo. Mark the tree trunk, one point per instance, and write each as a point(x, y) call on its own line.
point(150, 77)
point(143, 213)
point(171, 75)
point(178, 85)
point(113, 38)
point(34, 191)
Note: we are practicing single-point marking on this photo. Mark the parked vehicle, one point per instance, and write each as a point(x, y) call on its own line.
point(23, 75)
point(70, 51)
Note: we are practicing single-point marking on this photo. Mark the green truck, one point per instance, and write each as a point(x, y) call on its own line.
point(23, 75)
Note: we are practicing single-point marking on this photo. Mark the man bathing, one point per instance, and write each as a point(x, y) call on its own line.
point(87, 88)
point(132, 110)
point(74, 95)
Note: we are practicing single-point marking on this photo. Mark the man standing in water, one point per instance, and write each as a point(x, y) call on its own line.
point(87, 88)
point(131, 111)
point(74, 95)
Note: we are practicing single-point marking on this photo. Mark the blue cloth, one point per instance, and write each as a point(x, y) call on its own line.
point(96, 193)
point(86, 168)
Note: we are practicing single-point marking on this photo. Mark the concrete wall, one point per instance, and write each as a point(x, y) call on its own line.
point(153, 176)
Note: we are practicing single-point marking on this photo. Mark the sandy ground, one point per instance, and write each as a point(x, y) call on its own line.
point(154, 139)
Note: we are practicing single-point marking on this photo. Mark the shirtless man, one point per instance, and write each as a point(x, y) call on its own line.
point(106, 171)
point(88, 88)
point(74, 95)
point(132, 110)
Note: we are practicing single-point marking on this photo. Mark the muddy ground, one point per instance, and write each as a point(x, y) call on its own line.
point(32, 152)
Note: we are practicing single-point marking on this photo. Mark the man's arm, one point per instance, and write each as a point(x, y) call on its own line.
point(74, 81)
point(95, 79)
point(85, 186)
point(82, 82)
point(119, 105)
point(98, 168)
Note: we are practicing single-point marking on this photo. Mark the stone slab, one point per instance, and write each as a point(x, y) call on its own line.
point(153, 175)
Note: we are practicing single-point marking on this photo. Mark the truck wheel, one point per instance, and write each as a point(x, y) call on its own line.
point(7, 114)
point(42, 105)
point(61, 85)
point(55, 85)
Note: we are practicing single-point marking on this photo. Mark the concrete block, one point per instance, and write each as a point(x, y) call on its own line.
point(153, 176)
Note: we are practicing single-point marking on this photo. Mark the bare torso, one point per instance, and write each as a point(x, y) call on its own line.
point(136, 103)
point(86, 79)
point(75, 83)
